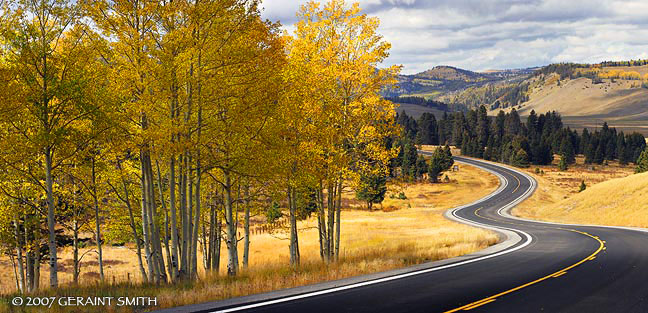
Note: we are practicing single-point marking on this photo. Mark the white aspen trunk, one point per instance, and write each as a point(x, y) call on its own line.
point(21, 268)
point(166, 222)
point(174, 222)
point(338, 209)
point(145, 222)
point(321, 224)
point(232, 240)
point(294, 240)
point(330, 220)
point(51, 222)
point(138, 246)
point(190, 221)
point(194, 245)
point(37, 256)
point(156, 242)
point(29, 264)
point(246, 228)
point(75, 255)
point(183, 214)
point(97, 222)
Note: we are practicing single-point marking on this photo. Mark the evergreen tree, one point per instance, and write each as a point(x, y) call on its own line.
point(428, 129)
point(410, 155)
point(372, 189)
point(440, 162)
point(642, 162)
point(421, 166)
point(563, 163)
point(582, 186)
point(521, 159)
point(567, 151)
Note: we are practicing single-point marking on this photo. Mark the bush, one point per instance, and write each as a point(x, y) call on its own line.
point(582, 186)
point(274, 212)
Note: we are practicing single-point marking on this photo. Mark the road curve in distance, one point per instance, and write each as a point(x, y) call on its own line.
point(545, 268)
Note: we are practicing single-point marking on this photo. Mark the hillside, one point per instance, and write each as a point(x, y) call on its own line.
point(451, 73)
point(619, 99)
point(441, 81)
point(619, 202)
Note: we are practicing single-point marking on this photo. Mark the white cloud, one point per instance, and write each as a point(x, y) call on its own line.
point(487, 34)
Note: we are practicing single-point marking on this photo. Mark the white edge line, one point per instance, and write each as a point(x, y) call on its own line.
point(390, 278)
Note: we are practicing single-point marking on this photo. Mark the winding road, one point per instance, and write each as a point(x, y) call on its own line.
point(537, 267)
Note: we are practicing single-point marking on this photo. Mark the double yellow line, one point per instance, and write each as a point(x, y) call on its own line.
point(559, 273)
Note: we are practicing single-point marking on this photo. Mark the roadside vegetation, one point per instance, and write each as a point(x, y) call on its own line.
point(408, 228)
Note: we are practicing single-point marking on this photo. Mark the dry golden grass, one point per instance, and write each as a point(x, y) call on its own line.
point(557, 189)
point(581, 97)
point(402, 233)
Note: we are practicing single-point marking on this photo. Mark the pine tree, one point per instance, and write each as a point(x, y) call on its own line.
point(372, 189)
point(440, 162)
point(567, 151)
point(521, 159)
point(563, 163)
point(582, 186)
point(642, 162)
point(421, 166)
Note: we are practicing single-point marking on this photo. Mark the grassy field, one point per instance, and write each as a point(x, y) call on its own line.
point(557, 198)
point(401, 233)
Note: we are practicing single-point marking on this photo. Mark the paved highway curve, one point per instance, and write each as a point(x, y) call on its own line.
point(544, 268)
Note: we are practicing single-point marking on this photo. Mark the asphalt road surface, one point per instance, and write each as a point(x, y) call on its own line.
point(545, 268)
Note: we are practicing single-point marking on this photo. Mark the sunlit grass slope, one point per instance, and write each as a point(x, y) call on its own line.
point(619, 202)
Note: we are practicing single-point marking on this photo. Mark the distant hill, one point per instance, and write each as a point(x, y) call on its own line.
point(449, 73)
point(585, 95)
point(442, 81)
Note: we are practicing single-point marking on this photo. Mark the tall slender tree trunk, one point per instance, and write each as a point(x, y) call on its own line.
point(75, 255)
point(338, 209)
point(232, 240)
point(29, 264)
point(145, 222)
point(321, 224)
point(51, 223)
point(138, 246)
point(174, 222)
point(294, 240)
point(37, 255)
point(166, 223)
point(246, 227)
point(196, 222)
point(21, 268)
point(183, 214)
point(217, 247)
point(97, 222)
point(330, 220)
point(156, 242)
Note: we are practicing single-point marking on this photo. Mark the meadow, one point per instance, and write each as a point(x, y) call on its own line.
point(399, 233)
point(612, 197)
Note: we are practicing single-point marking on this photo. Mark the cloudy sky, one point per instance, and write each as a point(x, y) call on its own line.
point(498, 34)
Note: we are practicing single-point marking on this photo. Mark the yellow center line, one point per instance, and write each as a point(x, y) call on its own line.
point(478, 305)
point(560, 274)
point(519, 184)
point(555, 274)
